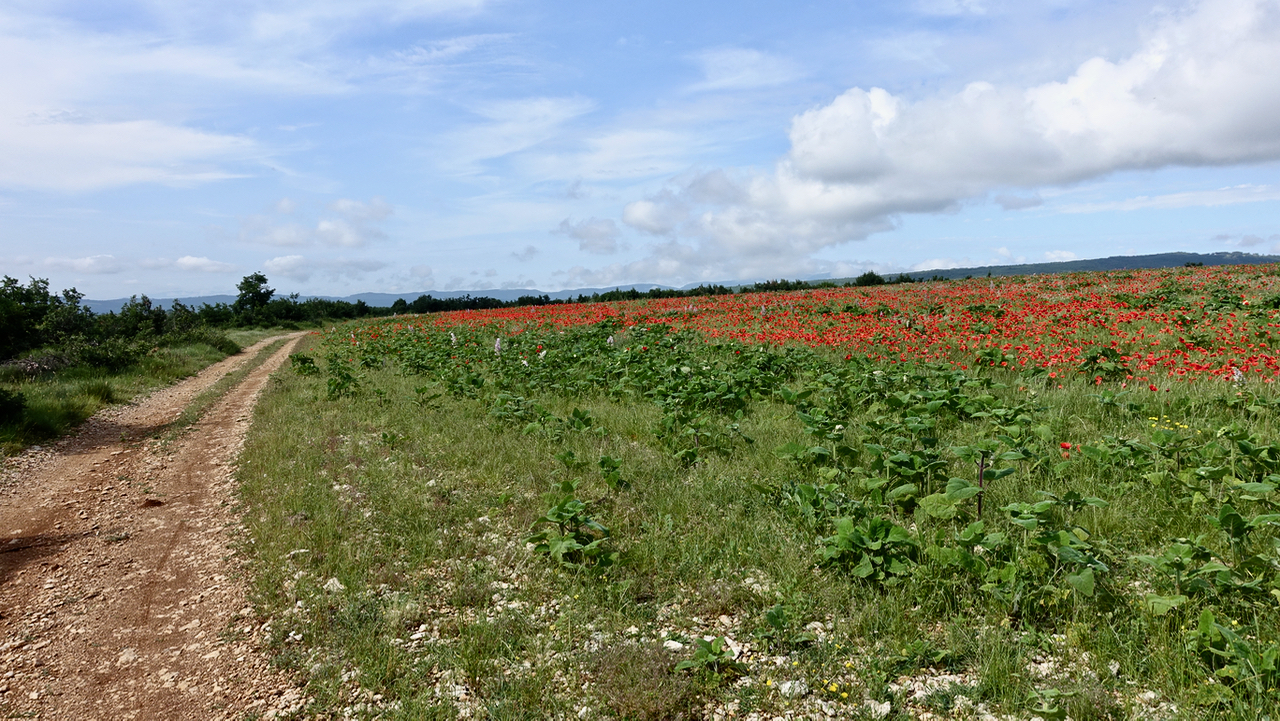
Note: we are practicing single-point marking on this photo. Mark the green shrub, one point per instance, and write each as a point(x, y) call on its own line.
point(12, 404)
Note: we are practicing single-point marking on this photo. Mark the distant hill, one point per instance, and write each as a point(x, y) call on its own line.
point(1117, 262)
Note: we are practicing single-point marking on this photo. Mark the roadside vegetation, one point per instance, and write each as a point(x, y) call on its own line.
point(999, 498)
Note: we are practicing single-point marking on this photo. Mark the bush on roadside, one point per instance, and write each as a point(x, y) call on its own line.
point(12, 404)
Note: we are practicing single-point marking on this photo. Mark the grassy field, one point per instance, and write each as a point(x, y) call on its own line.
point(611, 522)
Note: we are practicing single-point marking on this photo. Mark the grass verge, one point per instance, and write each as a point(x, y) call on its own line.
point(57, 402)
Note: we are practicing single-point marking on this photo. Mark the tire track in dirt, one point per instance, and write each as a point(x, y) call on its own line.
point(119, 596)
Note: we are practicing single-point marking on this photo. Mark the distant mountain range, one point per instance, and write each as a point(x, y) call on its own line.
point(1117, 262)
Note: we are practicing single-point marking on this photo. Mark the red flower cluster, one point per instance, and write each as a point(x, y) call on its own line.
point(1182, 323)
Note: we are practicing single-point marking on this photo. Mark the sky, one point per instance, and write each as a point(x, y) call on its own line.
point(171, 147)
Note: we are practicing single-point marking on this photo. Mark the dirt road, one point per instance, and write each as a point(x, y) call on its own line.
point(119, 596)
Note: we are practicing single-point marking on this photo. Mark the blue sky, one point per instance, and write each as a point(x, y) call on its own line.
point(170, 147)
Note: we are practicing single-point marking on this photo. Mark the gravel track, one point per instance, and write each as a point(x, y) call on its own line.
point(119, 595)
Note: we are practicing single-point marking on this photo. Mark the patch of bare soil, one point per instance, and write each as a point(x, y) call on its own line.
point(119, 595)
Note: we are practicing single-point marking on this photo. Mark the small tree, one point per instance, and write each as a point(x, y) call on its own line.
point(254, 293)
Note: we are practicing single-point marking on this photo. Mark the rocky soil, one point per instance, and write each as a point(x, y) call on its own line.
point(120, 597)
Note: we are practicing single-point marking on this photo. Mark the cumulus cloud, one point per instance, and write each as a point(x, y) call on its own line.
point(594, 235)
point(262, 230)
point(1057, 256)
point(527, 254)
point(1201, 90)
point(356, 226)
point(301, 268)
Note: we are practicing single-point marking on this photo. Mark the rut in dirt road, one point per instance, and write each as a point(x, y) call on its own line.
point(119, 597)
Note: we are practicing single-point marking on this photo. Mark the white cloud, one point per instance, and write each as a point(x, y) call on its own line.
point(512, 126)
point(93, 108)
point(357, 227)
point(339, 232)
point(527, 253)
point(1248, 240)
point(594, 235)
point(1057, 256)
point(614, 154)
point(373, 211)
point(657, 216)
point(942, 264)
point(187, 263)
point(261, 230)
point(93, 264)
point(1192, 198)
point(301, 268)
point(743, 69)
point(1201, 90)
point(65, 155)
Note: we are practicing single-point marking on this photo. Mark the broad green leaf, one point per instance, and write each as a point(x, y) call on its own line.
point(1082, 582)
point(939, 505)
point(904, 491)
point(1160, 605)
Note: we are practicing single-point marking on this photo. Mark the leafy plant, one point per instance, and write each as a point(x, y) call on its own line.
point(947, 504)
point(715, 656)
point(876, 550)
point(1249, 667)
point(611, 470)
point(303, 364)
point(569, 535)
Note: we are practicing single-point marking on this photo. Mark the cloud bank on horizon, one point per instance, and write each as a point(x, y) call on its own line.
point(403, 145)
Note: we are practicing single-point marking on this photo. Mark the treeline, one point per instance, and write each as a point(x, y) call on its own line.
point(41, 331)
point(431, 304)
point(51, 330)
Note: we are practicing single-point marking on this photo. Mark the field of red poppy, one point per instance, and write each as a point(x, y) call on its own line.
point(996, 498)
point(1184, 322)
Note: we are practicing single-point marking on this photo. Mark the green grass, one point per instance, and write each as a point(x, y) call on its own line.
point(386, 538)
point(198, 406)
point(248, 336)
point(58, 402)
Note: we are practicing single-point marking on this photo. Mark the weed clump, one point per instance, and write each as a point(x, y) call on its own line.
point(640, 683)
